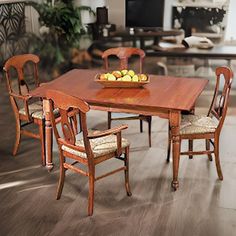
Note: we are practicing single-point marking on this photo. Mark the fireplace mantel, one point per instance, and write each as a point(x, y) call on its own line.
point(201, 3)
point(204, 18)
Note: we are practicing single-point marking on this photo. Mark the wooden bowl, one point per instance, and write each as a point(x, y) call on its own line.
point(121, 84)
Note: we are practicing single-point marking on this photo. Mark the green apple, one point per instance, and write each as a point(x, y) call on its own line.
point(131, 73)
point(135, 78)
point(126, 78)
point(111, 77)
point(124, 72)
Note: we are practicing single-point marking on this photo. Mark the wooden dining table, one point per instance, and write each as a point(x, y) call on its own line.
point(164, 96)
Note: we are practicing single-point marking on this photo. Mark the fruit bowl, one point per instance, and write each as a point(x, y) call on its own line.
point(122, 79)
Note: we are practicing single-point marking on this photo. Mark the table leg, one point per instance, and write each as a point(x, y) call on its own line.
point(48, 135)
point(174, 125)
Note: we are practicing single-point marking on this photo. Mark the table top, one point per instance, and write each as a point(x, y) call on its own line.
point(218, 52)
point(162, 92)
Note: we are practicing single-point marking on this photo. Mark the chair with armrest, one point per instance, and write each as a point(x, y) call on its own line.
point(208, 127)
point(94, 147)
point(26, 110)
point(123, 54)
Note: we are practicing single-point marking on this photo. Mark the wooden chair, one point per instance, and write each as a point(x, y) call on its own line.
point(123, 54)
point(208, 127)
point(26, 110)
point(92, 149)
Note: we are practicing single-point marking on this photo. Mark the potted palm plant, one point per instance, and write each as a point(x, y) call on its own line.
point(61, 30)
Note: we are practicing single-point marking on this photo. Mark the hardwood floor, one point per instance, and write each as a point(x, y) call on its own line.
point(202, 206)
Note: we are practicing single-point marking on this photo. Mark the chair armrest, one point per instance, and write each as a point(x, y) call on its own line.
point(77, 148)
point(22, 97)
point(114, 130)
point(25, 99)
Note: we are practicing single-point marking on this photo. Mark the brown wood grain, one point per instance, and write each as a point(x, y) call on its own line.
point(66, 103)
point(166, 96)
point(162, 92)
point(218, 110)
point(18, 63)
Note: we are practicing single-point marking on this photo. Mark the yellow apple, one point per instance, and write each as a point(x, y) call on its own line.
point(124, 72)
point(126, 78)
point(143, 77)
point(131, 73)
point(135, 78)
point(111, 77)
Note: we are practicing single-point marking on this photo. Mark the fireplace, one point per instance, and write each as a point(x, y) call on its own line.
point(200, 18)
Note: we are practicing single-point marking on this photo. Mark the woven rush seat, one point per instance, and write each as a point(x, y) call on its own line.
point(100, 146)
point(195, 124)
point(35, 110)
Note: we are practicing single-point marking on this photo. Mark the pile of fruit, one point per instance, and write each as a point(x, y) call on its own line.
point(123, 75)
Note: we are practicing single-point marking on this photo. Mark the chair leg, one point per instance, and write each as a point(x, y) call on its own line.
point(126, 163)
point(109, 119)
point(91, 193)
point(42, 140)
point(18, 136)
point(150, 130)
point(190, 147)
point(217, 158)
point(62, 177)
point(169, 145)
point(208, 148)
point(141, 126)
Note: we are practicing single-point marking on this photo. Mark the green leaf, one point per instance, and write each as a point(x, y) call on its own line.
point(65, 29)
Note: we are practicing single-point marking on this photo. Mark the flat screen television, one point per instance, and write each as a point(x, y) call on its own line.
point(144, 13)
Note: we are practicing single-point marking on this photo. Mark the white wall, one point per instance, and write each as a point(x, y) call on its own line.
point(231, 29)
point(168, 14)
point(31, 20)
point(116, 12)
point(92, 3)
point(85, 16)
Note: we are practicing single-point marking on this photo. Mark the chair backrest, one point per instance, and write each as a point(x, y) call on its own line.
point(220, 99)
point(66, 104)
point(123, 53)
point(18, 63)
